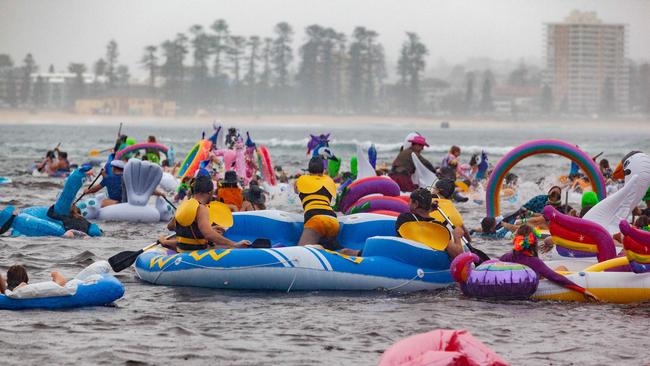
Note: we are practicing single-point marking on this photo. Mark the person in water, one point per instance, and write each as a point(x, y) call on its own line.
point(317, 191)
point(524, 252)
point(229, 191)
point(403, 167)
point(254, 199)
point(192, 223)
point(420, 210)
point(47, 162)
point(112, 183)
point(17, 281)
point(232, 137)
point(553, 198)
point(490, 230)
point(152, 155)
point(451, 159)
point(605, 169)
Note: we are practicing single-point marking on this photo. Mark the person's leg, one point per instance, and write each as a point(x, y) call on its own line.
point(58, 278)
point(109, 202)
point(309, 236)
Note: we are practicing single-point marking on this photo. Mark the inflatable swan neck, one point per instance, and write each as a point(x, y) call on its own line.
point(461, 266)
point(70, 189)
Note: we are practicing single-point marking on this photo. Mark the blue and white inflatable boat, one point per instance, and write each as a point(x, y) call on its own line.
point(388, 262)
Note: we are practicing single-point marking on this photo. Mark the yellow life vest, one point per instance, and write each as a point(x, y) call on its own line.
point(316, 192)
point(187, 229)
point(450, 210)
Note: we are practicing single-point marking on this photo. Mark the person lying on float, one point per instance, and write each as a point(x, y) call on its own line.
point(524, 251)
point(193, 225)
point(16, 284)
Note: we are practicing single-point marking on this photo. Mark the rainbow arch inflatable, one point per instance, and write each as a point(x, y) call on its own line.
point(536, 147)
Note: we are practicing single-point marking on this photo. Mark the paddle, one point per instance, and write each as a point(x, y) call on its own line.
point(125, 259)
point(482, 256)
point(89, 187)
point(168, 202)
point(95, 152)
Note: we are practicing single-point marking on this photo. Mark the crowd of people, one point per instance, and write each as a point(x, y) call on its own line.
point(316, 188)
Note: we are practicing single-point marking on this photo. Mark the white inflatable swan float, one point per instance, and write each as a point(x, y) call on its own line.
point(635, 167)
point(140, 180)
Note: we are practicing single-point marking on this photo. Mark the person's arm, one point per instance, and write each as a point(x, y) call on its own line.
point(94, 189)
point(509, 227)
point(426, 163)
point(203, 220)
point(455, 246)
point(171, 225)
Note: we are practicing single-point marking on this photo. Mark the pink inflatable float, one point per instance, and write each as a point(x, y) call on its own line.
point(440, 347)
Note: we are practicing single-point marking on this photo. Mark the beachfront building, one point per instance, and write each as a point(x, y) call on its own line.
point(586, 66)
point(132, 101)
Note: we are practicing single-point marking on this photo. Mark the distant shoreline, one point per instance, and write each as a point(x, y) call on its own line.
point(10, 117)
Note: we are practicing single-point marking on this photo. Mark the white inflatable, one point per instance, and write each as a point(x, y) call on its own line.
point(168, 182)
point(364, 168)
point(423, 177)
point(140, 180)
point(610, 211)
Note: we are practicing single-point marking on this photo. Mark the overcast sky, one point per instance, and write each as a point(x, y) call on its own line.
point(64, 31)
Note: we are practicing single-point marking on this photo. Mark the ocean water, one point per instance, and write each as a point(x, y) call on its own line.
point(156, 324)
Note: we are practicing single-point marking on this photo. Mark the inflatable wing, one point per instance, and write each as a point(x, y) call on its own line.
point(364, 169)
point(140, 180)
point(423, 177)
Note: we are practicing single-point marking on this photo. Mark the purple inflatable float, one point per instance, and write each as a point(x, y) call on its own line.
point(493, 279)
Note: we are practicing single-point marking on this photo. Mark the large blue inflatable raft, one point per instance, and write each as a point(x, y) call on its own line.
point(102, 292)
point(388, 262)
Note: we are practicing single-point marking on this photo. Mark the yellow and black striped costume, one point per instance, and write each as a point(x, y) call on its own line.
point(316, 193)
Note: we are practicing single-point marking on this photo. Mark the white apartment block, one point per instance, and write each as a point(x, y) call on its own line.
point(583, 54)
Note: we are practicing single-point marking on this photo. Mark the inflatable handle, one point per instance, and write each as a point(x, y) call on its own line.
point(460, 266)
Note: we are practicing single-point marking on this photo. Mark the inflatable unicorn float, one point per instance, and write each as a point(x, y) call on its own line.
point(584, 246)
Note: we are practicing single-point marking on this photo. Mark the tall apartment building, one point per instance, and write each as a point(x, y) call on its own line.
point(586, 64)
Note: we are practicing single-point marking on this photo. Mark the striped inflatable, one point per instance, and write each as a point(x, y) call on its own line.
point(557, 147)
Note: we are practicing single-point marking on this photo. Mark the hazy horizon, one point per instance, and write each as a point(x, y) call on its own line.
point(454, 31)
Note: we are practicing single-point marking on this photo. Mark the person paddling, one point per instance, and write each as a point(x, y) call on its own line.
point(192, 222)
point(112, 183)
point(420, 211)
